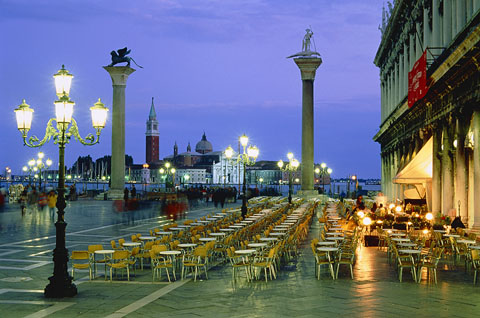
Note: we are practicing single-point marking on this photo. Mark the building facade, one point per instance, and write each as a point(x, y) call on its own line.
point(432, 147)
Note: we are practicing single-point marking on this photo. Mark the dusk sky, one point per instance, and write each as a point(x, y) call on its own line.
point(217, 66)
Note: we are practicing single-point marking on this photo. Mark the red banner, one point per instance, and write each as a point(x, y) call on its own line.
point(417, 80)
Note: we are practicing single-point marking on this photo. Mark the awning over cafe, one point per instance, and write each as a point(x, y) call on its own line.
point(419, 169)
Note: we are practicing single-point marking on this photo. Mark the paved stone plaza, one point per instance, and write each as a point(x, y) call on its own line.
point(25, 265)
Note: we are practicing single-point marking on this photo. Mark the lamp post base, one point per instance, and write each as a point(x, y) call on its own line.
point(60, 287)
point(307, 193)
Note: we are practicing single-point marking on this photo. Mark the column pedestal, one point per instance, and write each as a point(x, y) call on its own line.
point(308, 67)
point(119, 75)
point(474, 218)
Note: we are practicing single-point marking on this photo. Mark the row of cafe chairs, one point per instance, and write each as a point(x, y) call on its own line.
point(124, 259)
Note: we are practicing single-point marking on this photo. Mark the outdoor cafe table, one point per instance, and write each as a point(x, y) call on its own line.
point(406, 244)
point(235, 226)
point(206, 239)
point(186, 245)
point(196, 223)
point(440, 231)
point(335, 238)
point(246, 222)
point(400, 239)
point(335, 228)
point(397, 234)
point(211, 219)
point(255, 245)
point(203, 222)
point(410, 251)
point(131, 244)
point(170, 254)
point(105, 254)
point(334, 233)
point(227, 230)
point(147, 238)
point(280, 228)
point(466, 242)
point(276, 234)
point(289, 222)
point(328, 250)
point(176, 229)
point(218, 216)
point(475, 247)
point(452, 235)
point(245, 254)
point(217, 234)
point(185, 226)
point(326, 243)
point(266, 239)
point(163, 232)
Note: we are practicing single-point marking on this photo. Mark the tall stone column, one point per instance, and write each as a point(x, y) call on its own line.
point(447, 169)
point(436, 26)
point(426, 28)
point(460, 170)
point(475, 216)
point(436, 170)
point(476, 6)
point(447, 23)
point(405, 67)
point(308, 67)
point(461, 14)
point(119, 75)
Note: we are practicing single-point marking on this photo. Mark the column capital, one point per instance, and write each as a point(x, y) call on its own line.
point(119, 74)
point(308, 67)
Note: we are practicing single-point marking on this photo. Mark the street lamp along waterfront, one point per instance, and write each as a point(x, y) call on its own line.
point(322, 172)
point(66, 127)
point(247, 158)
point(291, 166)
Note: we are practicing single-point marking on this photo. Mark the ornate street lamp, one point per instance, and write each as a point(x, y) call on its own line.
point(247, 158)
point(166, 171)
point(323, 171)
point(291, 166)
point(66, 127)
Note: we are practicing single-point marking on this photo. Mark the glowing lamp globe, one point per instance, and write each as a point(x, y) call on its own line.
point(429, 216)
point(253, 152)
point(280, 164)
point(295, 163)
point(64, 110)
point(367, 221)
point(290, 155)
point(63, 81)
point(99, 115)
point(24, 115)
point(229, 152)
point(361, 214)
point(243, 140)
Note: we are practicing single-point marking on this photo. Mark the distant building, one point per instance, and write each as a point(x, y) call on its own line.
point(152, 137)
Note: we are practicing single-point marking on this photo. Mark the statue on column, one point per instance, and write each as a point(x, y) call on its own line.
point(306, 46)
point(120, 56)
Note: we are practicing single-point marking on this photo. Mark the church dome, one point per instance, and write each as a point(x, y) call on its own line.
point(203, 146)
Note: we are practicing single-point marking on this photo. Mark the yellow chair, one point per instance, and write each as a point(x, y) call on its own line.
point(93, 260)
point(475, 259)
point(195, 260)
point(266, 263)
point(431, 262)
point(237, 261)
point(160, 262)
point(115, 246)
point(134, 255)
point(81, 256)
point(120, 259)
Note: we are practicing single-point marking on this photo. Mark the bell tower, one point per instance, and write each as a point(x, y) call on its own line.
point(151, 142)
